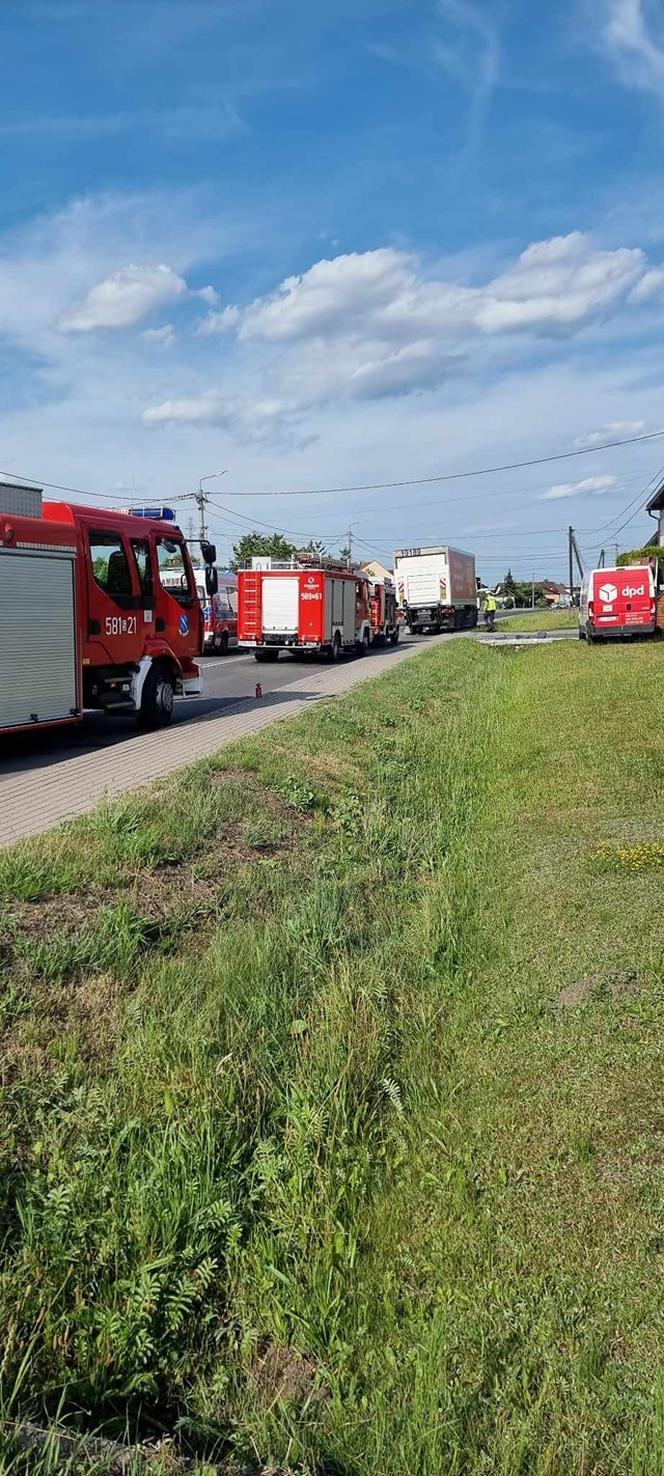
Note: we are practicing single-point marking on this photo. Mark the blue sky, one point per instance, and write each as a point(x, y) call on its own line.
point(324, 244)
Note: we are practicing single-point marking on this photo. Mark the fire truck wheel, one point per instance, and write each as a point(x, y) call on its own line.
point(221, 644)
point(335, 648)
point(262, 654)
point(363, 646)
point(157, 700)
point(394, 637)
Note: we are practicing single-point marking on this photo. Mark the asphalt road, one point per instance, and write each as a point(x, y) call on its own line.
point(227, 681)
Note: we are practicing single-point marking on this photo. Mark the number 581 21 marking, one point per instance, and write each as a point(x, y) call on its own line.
point(121, 625)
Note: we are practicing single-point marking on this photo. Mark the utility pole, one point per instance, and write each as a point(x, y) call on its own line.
point(573, 551)
point(617, 549)
point(350, 548)
point(201, 499)
point(532, 592)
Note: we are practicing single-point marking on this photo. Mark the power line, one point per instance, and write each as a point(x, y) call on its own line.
point(483, 471)
point(58, 487)
point(237, 518)
point(642, 498)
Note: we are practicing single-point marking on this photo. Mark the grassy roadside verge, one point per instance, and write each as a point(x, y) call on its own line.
point(331, 1098)
point(541, 620)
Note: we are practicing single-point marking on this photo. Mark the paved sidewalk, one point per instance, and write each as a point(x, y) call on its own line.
point(33, 802)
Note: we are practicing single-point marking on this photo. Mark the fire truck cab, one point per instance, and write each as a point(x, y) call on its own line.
point(98, 609)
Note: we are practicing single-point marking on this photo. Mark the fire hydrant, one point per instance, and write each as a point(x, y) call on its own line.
point(259, 690)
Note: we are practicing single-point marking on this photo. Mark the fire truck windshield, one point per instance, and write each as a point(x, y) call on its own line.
point(173, 572)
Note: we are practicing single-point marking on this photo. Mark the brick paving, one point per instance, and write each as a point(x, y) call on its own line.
point(34, 801)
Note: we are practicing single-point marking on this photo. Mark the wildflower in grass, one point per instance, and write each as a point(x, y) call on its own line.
point(645, 856)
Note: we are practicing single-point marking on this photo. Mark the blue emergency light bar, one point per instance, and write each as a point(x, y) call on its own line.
point(158, 514)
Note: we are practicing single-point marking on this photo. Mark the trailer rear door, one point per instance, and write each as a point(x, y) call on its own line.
point(37, 638)
point(280, 604)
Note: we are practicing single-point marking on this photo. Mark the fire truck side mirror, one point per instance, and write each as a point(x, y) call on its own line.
point(209, 552)
point(211, 580)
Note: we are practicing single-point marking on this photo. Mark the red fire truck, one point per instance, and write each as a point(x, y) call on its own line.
point(303, 606)
point(383, 613)
point(86, 617)
point(220, 613)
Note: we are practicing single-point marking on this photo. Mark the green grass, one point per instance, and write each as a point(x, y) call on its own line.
point(540, 620)
point(331, 1098)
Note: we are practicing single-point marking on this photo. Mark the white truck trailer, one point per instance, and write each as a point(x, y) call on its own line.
point(436, 587)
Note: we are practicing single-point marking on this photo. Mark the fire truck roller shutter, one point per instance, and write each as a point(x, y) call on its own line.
point(281, 605)
point(350, 610)
point(37, 638)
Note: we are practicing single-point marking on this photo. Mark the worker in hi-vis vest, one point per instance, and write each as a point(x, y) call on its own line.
point(490, 608)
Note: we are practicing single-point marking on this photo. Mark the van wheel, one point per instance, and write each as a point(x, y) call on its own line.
point(582, 633)
point(157, 699)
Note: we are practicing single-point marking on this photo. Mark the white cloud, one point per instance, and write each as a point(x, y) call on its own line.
point(592, 485)
point(554, 286)
point(633, 37)
point(649, 286)
point(251, 421)
point(614, 430)
point(206, 121)
point(468, 49)
point(124, 298)
point(221, 322)
point(378, 323)
point(162, 337)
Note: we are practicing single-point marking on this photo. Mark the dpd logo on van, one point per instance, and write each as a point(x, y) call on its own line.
point(608, 593)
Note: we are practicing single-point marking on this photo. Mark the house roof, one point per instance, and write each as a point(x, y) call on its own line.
point(656, 502)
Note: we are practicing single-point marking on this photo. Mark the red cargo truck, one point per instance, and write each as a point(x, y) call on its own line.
point(302, 606)
point(618, 602)
point(98, 609)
